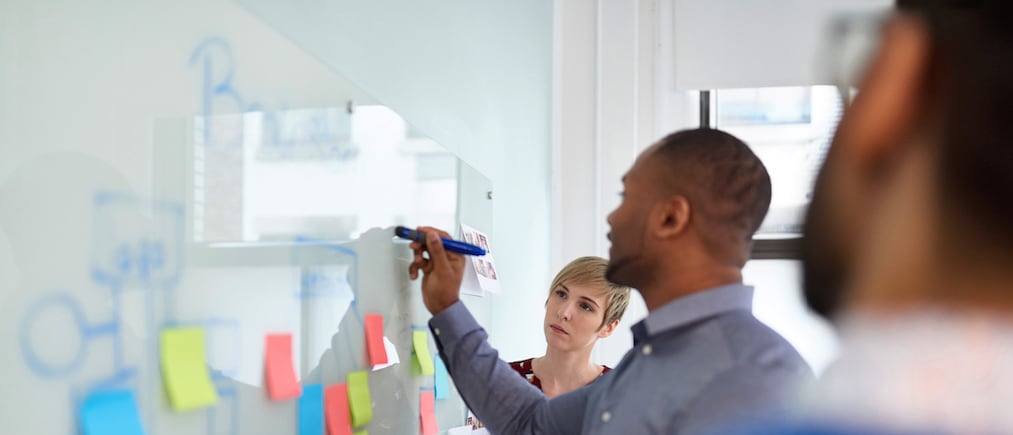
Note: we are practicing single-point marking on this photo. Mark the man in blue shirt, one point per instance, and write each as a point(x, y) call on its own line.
point(700, 360)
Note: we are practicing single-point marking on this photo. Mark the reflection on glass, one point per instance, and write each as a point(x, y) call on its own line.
point(322, 173)
point(790, 129)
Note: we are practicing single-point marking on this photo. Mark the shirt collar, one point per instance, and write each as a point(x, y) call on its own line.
point(696, 306)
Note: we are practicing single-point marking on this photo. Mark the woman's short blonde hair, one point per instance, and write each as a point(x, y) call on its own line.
point(590, 270)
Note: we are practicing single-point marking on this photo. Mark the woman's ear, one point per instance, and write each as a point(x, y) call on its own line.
point(606, 330)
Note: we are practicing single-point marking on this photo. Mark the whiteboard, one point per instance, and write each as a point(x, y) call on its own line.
point(184, 165)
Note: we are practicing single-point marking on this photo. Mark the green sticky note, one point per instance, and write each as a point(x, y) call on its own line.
point(362, 432)
point(184, 372)
point(358, 398)
point(416, 368)
point(420, 339)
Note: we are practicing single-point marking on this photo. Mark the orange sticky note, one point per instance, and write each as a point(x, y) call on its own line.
point(339, 422)
point(427, 413)
point(281, 381)
point(374, 339)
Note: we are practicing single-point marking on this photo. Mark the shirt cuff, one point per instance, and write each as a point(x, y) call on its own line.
point(453, 323)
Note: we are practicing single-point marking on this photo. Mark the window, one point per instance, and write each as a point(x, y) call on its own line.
point(322, 173)
point(790, 129)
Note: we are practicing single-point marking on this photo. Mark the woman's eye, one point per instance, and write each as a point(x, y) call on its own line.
point(561, 294)
point(586, 307)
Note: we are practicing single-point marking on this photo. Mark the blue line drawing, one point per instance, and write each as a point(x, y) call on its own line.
point(136, 243)
point(229, 393)
point(230, 368)
point(59, 300)
point(205, 54)
point(309, 241)
point(301, 242)
point(283, 128)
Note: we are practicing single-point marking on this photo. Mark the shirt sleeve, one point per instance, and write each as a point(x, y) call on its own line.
point(506, 403)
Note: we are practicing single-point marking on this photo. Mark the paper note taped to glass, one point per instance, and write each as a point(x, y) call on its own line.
point(480, 274)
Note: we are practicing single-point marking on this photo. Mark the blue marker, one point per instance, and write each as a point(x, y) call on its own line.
point(451, 244)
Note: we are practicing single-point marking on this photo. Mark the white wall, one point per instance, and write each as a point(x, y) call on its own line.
point(747, 43)
point(611, 100)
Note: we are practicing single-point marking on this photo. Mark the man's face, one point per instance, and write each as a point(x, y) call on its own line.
point(627, 259)
point(845, 201)
point(825, 254)
point(863, 163)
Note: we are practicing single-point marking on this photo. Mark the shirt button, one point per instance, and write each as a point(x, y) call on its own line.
point(606, 416)
point(436, 331)
point(647, 349)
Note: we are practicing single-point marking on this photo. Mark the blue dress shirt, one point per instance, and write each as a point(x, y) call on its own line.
point(698, 363)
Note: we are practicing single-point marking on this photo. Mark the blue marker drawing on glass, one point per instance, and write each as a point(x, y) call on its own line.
point(37, 363)
point(350, 277)
point(136, 243)
point(226, 393)
point(284, 129)
point(450, 244)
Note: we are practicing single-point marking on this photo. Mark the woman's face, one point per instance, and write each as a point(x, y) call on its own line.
point(573, 316)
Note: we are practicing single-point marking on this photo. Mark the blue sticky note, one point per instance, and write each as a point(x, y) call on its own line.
point(311, 410)
point(442, 378)
point(111, 413)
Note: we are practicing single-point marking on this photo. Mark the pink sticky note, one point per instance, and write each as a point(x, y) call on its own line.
point(427, 413)
point(336, 409)
point(278, 369)
point(374, 339)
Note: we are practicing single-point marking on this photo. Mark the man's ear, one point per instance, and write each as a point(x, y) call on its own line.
point(892, 94)
point(607, 330)
point(671, 217)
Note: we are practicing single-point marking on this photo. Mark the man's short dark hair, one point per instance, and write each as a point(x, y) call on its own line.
point(971, 87)
point(724, 180)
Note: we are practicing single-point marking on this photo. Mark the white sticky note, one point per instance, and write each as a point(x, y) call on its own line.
point(481, 272)
point(460, 430)
point(392, 357)
point(467, 430)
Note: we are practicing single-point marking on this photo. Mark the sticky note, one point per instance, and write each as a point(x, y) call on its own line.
point(336, 409)
point(441, 380)
point(416, 368)
point(460, 430)
point(427, 413)
point(374, 339)
point(278, 369)
point(110, 413)
point(311, 410)
point(358, 398)
point(420, 341)
point(392, 357)
point(184, 373)
point(362, 432)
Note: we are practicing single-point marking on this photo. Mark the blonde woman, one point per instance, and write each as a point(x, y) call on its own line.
point(582, 308)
